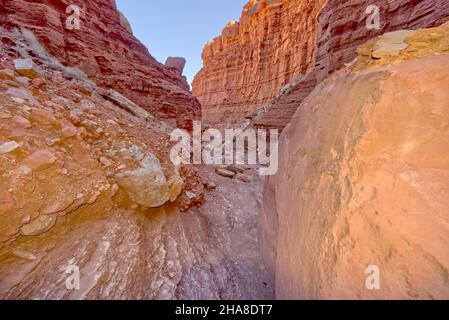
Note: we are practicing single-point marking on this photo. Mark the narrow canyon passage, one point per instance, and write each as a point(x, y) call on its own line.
point(98, 200)
point(209, 252)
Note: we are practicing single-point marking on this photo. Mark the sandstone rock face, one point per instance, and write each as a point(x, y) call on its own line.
point(252, 60)
point(295, 44)
point(363, 179)
point(341, 29)
point(107, 52)
point(79, 168)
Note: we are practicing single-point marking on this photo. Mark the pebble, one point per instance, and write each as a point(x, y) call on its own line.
point(23, 254)
point(225, 173)
point(8, 147)
point(243, 178)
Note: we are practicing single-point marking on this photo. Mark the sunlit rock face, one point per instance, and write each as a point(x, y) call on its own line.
point(254, 58)
point(105, 49)
point(364, 177)
point(281, 49)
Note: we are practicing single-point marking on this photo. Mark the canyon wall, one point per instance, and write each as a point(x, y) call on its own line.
point(106, 51)
point(255, 57)
point(341, 29)
point(289, 46)
point(358, 209)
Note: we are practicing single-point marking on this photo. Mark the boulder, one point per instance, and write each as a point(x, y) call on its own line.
point(146, 186)
point(225, 173)
point(359, 207)
point(176, 63)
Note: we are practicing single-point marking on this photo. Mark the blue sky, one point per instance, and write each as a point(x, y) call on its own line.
point(179, 27)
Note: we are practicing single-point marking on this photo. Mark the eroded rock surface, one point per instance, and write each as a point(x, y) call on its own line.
point(363, 179)
point(105, 50)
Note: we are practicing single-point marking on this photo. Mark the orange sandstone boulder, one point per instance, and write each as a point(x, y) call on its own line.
point(362, 186)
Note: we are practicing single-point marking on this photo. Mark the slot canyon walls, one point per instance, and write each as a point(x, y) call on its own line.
point(295, 44)
point(107, 52)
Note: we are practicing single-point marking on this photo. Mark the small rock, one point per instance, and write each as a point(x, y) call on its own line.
point(391, 44)
point(146, 186)
point(236, 168)
point(23, 80)
point(8, 147)
point(24, 170)
point(25, 219)
point(56, 207)
point(114, 189)
point(225, 173)
point(210, 185)
point(41, 225)
point(40, 160)
point(106, 162)
point(42, 117)
point(37, 83)
point(190, 194)
point(243, 178)
point(18, 100)
point(23, 254)
point(68, 130)
point(21, 122)
point(19, 95)
point(26, 68)
point(5, 114)
point(94, 197)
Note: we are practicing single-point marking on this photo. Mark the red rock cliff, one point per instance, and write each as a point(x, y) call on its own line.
point(297, 42)
point(254, 58)
point(105, 49)
point(340, 32)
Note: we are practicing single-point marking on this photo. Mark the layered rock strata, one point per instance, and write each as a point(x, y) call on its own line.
point(273, 58)
point(105, 50)
point(255, 57)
